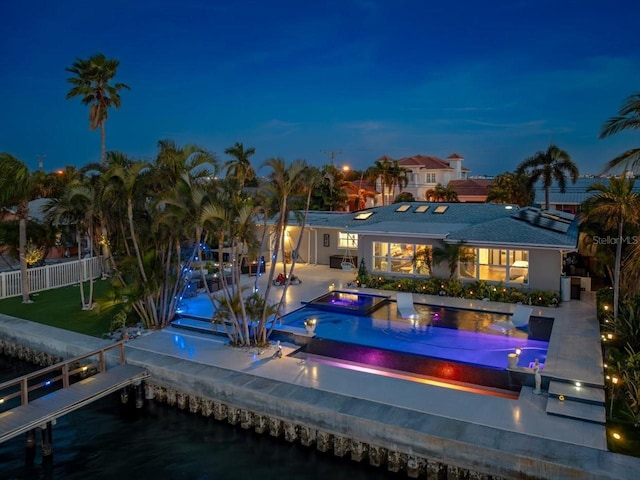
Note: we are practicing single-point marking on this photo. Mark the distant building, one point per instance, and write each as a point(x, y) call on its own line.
point(425, 172)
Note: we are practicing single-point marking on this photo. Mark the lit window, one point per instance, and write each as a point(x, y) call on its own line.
point(422, 208)
point(441, 209)
point(347, 240)
point(403, 208)
point(363, 216)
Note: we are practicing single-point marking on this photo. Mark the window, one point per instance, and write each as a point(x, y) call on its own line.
point(403, 208)
point(363, 216)
point(347, 240)
point(405, 258)
point(422, 208)
point(494, 264)
point(430, 178)
point(441, 209)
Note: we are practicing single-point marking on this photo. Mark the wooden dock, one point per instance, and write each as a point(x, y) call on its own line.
point(74, 384)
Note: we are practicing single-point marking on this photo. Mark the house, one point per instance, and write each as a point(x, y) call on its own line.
point(501, 243)
point(574, 194)
point(425, 172)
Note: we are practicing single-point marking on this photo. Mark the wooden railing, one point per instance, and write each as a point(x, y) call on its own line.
point(81, 367)
point(50, 276)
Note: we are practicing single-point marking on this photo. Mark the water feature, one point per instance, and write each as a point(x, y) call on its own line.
point(107, 440)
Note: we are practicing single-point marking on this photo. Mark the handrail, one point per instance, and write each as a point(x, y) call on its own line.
point(85, 369)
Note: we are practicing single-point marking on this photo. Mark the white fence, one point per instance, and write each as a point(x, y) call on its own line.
point(50, 276)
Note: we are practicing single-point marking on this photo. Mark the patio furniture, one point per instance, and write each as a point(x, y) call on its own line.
point(405, 305)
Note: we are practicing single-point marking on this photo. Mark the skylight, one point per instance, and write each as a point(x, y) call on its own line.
point(363, 216)
point(403, 208)
point(441, 209)
point(422, 208)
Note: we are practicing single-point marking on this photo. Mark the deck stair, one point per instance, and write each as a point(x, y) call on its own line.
point(585, 402)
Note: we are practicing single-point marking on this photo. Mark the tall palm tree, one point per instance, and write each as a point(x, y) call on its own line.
point(18, 186)
point(240, 166)
point(628, 118)
point(616, 204)
point(549, 165)
point(91, 82)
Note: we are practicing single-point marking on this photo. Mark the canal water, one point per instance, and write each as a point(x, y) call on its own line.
point(112, 440)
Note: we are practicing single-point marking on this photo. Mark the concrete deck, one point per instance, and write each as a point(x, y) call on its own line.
point(574, 354)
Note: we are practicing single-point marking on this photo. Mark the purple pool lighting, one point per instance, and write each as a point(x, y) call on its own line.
point(349, 302)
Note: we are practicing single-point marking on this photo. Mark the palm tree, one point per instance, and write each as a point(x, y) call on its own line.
point(240, 166)
point(18, 186)
point(91, 83)
point(617, 204)
point(77, 205)
point(628, 118)
point(549, 165)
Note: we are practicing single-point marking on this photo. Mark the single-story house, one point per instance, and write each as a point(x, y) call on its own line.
point(499, 243)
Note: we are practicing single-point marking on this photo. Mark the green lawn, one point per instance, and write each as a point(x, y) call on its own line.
point(61, 308)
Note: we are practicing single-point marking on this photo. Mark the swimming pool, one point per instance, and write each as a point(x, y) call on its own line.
point(448, 343)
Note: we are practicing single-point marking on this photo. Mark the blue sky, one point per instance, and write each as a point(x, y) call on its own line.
point(492, 80)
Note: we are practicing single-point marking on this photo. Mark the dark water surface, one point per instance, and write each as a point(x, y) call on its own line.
point(111, 440)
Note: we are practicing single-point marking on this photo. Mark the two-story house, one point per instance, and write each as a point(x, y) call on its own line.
point(425, 172)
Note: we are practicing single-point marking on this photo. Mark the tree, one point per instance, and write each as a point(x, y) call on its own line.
point(616, 204)
point(453, 254)
point(628, 118)
point(511, 187)
point(18, 186)
point(77, 205)
point(240, 166)
point(390, 174)
point(550, 165)
point(441, 194)
point(91, 82)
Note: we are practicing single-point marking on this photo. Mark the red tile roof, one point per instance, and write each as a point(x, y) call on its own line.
point(473, 186)
point(424, 161)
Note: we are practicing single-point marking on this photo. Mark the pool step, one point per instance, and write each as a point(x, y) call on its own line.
point(583, 394)
point(577, 410)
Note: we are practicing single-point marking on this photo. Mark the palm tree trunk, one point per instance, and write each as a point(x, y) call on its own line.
point(22, 247)
point(546, 198)
point(103, 143)
point(80, 270)
point(616, 273)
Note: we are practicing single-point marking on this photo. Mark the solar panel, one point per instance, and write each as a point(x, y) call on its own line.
point(550, 220)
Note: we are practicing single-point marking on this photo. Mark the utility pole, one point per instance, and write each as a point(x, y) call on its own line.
point(332, 155)
point(41, 158)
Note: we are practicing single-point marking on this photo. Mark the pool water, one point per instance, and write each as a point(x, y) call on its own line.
point(435, 341)
point(349, 302)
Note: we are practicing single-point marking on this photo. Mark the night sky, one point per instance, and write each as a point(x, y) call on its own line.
point(493, 80)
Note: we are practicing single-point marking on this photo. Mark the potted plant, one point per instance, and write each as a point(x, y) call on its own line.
point(362, 277)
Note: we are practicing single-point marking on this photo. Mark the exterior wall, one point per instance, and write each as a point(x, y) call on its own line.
point(545, 269)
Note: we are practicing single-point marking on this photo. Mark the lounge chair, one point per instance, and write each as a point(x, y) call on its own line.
point(520, 317)
point(405, 305)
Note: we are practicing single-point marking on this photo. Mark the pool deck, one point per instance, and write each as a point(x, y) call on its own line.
point(574, 354)
point(509, 436)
